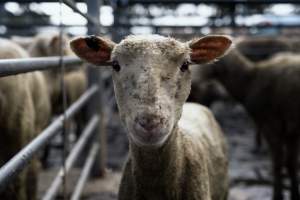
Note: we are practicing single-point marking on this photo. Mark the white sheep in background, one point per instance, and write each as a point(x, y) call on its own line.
point(177, 151)
point(49, 45)
point(46, 45)
point(24, 112)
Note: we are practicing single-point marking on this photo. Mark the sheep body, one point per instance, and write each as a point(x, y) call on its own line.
point(41, 100)
point(269, 91)
point(49, 45)
point(45, 45)
point(17, 125)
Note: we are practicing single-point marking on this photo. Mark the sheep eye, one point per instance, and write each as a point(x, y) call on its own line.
point(184, 66)
point(116, 66)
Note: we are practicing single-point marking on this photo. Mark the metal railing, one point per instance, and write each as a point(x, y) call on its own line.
point(72, 5)
point(17, 66)
point(89, 98)
point(87, 133)
point(19, 161)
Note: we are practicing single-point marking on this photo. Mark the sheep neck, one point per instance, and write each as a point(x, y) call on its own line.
point(236, 73)
point(158, 167)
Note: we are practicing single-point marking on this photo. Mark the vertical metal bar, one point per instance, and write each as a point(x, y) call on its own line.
point(64, 103)
point(96, 105)
point(118, 31)
point(232, 9)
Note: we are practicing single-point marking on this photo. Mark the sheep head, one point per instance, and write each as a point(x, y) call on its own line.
point(151, 78)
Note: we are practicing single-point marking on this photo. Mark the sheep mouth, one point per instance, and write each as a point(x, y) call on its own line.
point(154, 137)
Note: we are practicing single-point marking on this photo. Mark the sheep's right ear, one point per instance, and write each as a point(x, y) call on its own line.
point(209, 48)
point(93, 49)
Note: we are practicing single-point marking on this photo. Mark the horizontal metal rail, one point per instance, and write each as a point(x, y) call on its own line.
point(127, 25)
point(73, 6)
point(75, 152)
point(237, 26)
point(16, 66)
point(85, 172)
point(19, 161)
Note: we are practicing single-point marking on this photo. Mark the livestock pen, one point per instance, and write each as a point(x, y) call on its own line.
point(249, 171)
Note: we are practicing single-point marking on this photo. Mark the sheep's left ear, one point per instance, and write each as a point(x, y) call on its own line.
point(208, 48)
point(93, 49)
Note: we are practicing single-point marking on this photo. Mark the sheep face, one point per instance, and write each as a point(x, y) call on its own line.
point(151, 79)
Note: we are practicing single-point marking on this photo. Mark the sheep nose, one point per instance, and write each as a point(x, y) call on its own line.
point(149, 122)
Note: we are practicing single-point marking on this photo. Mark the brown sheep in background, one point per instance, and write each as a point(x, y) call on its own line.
point(25, 110)
point(261, 48)
point(270, 93)
point(206, 90)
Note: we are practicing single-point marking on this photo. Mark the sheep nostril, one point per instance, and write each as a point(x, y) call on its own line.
point(148, 123)
point(148, 126)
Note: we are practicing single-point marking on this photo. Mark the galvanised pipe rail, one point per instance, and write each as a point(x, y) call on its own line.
point(85, 172)
point(10, 67)
point(75, 152)
point(128, 25)
point(20, 160)
point(72, 5)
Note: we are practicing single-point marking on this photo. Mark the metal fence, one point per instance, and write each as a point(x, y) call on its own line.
point(91, 99)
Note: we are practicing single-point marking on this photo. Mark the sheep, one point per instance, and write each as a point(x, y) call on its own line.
point(18, 118)
point(205, 90)
point(269, 91)
point(75, 80)
point(168, 158)
point(45, 45)
point(49, 45)
point(24, 42)
point(261, 48)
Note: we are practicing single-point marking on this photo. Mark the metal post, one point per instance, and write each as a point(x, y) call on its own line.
point(232, 10)
point(118, 30)
point(96, 105)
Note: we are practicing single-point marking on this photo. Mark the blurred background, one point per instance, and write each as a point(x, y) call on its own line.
point(263, 27)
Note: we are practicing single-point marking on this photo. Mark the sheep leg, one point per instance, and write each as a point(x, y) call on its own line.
point(292, 166)
point(277, 159)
